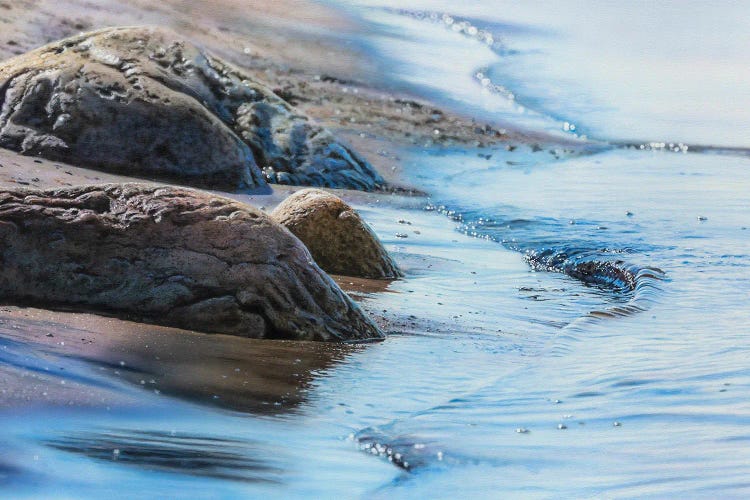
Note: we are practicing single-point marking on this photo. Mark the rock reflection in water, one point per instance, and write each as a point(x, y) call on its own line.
point(240, 374)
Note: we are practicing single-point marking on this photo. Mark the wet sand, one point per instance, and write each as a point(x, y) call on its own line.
point(235, 373)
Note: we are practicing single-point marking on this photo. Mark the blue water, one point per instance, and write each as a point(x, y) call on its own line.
point(515, 373)
point(645, 393)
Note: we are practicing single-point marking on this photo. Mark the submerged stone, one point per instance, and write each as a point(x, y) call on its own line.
point(170, 256)
point(143, 101)
point(337, 237)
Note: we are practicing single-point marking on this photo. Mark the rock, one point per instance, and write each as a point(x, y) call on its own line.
point(337, 237)
point(170, 256)
point(143, 101)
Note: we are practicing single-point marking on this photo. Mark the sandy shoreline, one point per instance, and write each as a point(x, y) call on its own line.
point(294, 47)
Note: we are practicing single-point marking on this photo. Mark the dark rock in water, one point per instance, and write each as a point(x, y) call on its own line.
point(170, 256)
point(337, 237)
point(143, 101)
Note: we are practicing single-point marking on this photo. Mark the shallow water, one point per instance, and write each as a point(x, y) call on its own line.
point(514, 369)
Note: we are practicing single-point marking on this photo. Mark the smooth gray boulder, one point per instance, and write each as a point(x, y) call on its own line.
point(143, 101)
point(337, 237)
point(170, 256)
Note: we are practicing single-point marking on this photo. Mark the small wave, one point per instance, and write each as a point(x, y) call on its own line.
point(463, 26)
point(679, 147)
point(592, 263)
point(638, 283)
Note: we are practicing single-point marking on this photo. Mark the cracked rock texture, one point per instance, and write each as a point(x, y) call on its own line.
point(143, 101)
point(170, 256)
point(337, 237)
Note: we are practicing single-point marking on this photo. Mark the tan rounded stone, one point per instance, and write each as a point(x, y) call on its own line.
point(337, 237)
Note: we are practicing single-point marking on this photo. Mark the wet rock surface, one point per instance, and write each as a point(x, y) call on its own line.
point(337, 237)
point(143, 101)
point(169, 256)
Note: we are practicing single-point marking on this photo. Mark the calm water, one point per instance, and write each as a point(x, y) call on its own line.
point(580, 322)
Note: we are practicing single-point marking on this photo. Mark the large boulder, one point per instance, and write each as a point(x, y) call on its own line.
point(143, 101)
point(170, 256)
point(337, 237)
